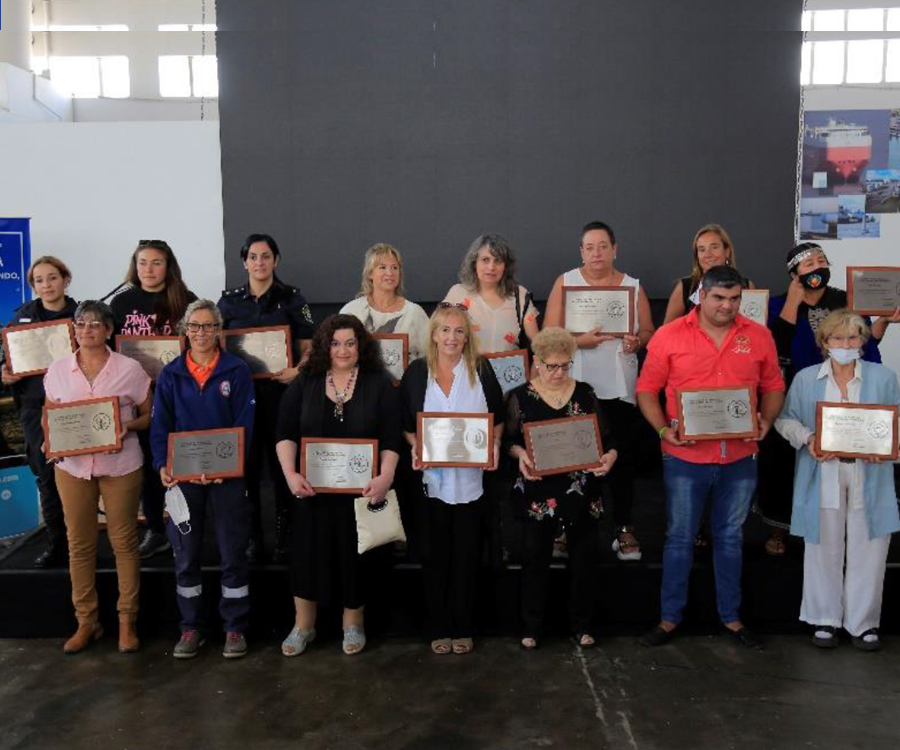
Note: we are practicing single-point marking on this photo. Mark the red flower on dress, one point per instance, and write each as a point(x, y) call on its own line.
point(510, 338)
point(551, 503)
point(466, 303)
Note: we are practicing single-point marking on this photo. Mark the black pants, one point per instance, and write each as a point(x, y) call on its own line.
point(625, 421)
point(583, 543)
point(451, 554)
point(51, 505)
point(153, 494)
point(775, 491)
point(262, 450)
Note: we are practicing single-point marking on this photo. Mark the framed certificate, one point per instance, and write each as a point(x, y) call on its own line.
point(447, 439)
point(394, 353)
point(720, 413)
point(338, 465)
point(266, 350)
point(755, 305)
point(856, 430)
point(511, 368)
point(32, 347)
point(217, 454)
point(74, 428)
point(586, 307)
point(151, 352)
point(558, 446)
point(873, 290)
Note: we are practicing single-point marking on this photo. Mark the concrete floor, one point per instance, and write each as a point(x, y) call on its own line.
point(698, 692)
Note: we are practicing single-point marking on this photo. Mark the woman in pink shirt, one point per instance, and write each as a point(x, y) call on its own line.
point(94, 371)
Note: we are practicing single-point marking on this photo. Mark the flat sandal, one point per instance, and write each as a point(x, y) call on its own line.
point(441, 646)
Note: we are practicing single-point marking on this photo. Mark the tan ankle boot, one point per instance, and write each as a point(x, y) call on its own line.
point(128, 637)
point(87, 633)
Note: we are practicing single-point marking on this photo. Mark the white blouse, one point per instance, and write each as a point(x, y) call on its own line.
point(411, 320)
point(495, 329)
point(797, 434)
point(455, 486)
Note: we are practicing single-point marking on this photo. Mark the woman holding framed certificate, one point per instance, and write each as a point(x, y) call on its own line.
point(205, 390)
point(453, 421)
point(48, 278)
point(338, 438)
point(845, 504)
point(606, 357)
point(563, 498)
point(94, 469)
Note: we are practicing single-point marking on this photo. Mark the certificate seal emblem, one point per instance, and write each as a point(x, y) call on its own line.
point(475, 438)
point(752, 310)
point(513, 374)
point(737, 408)
point(391, 357)
point(101, 422)
point(167, 356)
point(225, 449)
point(359, 464)
point(879, 429)
point(582, 438)
point(615, 309)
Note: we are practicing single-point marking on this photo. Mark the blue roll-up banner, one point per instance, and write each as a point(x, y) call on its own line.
point(15, 257)
point(19, 506)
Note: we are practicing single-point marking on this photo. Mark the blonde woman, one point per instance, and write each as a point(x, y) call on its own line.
point(845, 509)
point(381, 304)
point(451, 378)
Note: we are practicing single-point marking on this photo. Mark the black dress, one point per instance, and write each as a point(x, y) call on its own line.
point(561, 502)
point(325, 566)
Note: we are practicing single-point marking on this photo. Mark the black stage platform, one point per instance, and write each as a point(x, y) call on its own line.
point(37, 603)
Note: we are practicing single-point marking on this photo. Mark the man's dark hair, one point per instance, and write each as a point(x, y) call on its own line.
point(723, 276)
point(602, 225)
point(267, 238)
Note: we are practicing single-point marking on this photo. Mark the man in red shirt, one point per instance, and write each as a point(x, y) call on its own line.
point(710, 346)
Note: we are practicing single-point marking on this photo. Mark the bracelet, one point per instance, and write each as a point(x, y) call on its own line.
point(661, 430)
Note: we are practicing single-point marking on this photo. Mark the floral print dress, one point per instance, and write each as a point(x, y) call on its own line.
point(572, 497)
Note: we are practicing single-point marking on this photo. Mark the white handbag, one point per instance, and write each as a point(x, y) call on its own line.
point(379, 524)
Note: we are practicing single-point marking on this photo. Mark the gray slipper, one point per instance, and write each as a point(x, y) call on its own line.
point(297, 641)
point(354, 639)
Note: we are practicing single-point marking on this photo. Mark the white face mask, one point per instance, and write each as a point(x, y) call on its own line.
point(844, 356)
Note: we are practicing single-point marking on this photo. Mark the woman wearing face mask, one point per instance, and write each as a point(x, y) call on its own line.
point(845, 509)
point(151, 304)
point(794, 319)
point(48, 278)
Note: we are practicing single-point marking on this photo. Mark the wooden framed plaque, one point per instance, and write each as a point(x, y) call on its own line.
point(32, 347)
point(856, 430)
point(266, 349)
point(511, 368)
point(338, 465)
point(394, 353)
point(873, 290)
point(217, 454)
point(755, 305)
point(718, 413)
point(75, 428)
point(586, 307)
point(558, 446)
point(151, 352)
point(455, 439)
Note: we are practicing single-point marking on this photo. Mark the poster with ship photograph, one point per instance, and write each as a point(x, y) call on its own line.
point(853, 221)
point(882, 191)
point(894, 140)
point(839, 147)
point(818, 218)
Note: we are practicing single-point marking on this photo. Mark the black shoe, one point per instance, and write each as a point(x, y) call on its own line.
point(659, 636)
point(862, 644)
point(828, 639)
point(152, 543)
point(744, 636)
point(52, 557)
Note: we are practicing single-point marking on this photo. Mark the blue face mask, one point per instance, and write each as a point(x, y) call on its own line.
point(844, 356)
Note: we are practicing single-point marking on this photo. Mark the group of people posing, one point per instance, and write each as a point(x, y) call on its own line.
point(813, 348)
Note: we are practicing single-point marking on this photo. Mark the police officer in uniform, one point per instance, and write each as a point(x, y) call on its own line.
point(266, 301)
point(48, 277)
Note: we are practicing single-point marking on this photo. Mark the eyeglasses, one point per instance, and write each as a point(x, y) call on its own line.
point(155, 244)
point(855, 339)
point(205, 327)
point(553, 369)
point(452, 305)
point(93, 325)
point(349, 344)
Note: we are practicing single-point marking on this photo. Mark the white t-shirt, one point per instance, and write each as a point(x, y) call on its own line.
point(608, 368)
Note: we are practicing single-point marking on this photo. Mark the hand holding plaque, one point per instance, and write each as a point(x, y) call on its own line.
point(867, 431)
point(718, 413)
point(873, 290)
point(76, 428)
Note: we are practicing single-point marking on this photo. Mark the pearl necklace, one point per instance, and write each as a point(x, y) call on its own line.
point(340, 397)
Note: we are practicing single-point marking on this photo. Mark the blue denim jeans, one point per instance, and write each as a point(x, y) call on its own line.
point(730, 489)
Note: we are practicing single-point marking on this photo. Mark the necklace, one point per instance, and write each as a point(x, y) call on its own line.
point(340, 397)
point(555, 400)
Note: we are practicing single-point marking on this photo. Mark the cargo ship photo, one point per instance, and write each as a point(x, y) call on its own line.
point(841, 149)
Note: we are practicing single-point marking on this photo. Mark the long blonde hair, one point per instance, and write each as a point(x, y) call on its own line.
point(470, 350)
point(731, 260)
point(372, 255)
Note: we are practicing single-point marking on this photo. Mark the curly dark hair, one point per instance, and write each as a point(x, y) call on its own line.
point(319, 361)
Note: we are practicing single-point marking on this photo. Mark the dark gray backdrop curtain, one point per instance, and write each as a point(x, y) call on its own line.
point(425, 123)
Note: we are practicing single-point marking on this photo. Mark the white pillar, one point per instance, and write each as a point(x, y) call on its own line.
point(15, 33)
